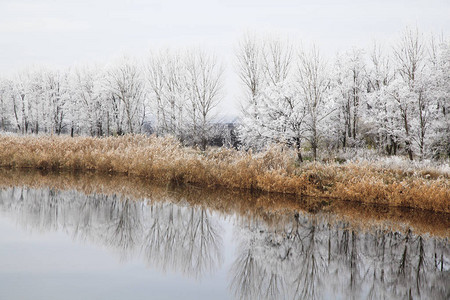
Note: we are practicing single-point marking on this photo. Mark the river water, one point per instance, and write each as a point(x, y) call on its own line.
point(72, 241)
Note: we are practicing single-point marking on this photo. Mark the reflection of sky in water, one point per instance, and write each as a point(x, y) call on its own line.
point(65, 245)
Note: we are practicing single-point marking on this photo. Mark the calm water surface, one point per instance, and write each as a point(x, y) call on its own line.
point(64, 244)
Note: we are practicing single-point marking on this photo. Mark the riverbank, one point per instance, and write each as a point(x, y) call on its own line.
point(164, 160)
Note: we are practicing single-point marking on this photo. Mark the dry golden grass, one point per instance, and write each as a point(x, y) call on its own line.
point(164, 160)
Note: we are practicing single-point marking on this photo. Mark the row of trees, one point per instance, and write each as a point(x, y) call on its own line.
point(395, 101)
point(186, 88)
point(171, 93)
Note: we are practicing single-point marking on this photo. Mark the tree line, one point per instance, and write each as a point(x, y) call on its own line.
point(394, 99)
point(170, 93)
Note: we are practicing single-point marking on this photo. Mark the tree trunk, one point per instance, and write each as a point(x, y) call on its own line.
point(410, 153)
point(107, 123)
point(299, 150)
point(407, 142)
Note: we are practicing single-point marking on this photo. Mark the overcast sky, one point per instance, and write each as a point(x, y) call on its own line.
point(64, 33)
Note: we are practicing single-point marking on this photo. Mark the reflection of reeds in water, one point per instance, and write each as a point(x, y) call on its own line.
point(275, 170)
point(271, 208)
point(286, 249)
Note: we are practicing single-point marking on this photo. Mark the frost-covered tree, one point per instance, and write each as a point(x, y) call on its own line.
point(262, 62)
point(89, 107)
point(249, 54)
point(438, 91)
point(5, 108)
point(184, 90)
point(349, 80)
point(278, 117)
point(205, 87)
point(277, 59)
point(314, 89)
point(275, 112)
point(37, 105)
point(124, 85)
point(19, 97)
point(294, 106)
point(409, 56)
point(380, 112)
point(167, 81)
point(406, 99)
point(56, 93)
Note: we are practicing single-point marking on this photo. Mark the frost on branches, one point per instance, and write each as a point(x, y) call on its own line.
point(396, 102)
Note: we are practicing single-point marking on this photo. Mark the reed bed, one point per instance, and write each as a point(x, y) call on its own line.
point(164, 160)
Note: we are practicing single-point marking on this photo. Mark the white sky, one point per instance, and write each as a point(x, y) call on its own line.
point(64, 33)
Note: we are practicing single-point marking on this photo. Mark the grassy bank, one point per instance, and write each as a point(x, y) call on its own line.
point(164, 160)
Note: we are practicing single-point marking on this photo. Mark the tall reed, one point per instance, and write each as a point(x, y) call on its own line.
point(274, 170)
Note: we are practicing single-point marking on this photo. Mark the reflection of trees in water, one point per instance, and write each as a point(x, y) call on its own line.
point(169, 236)
point(252, 278)
point(295, 257)
point(307, 257)
point(124, 224)
point(279, 263)
point(182, 238)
